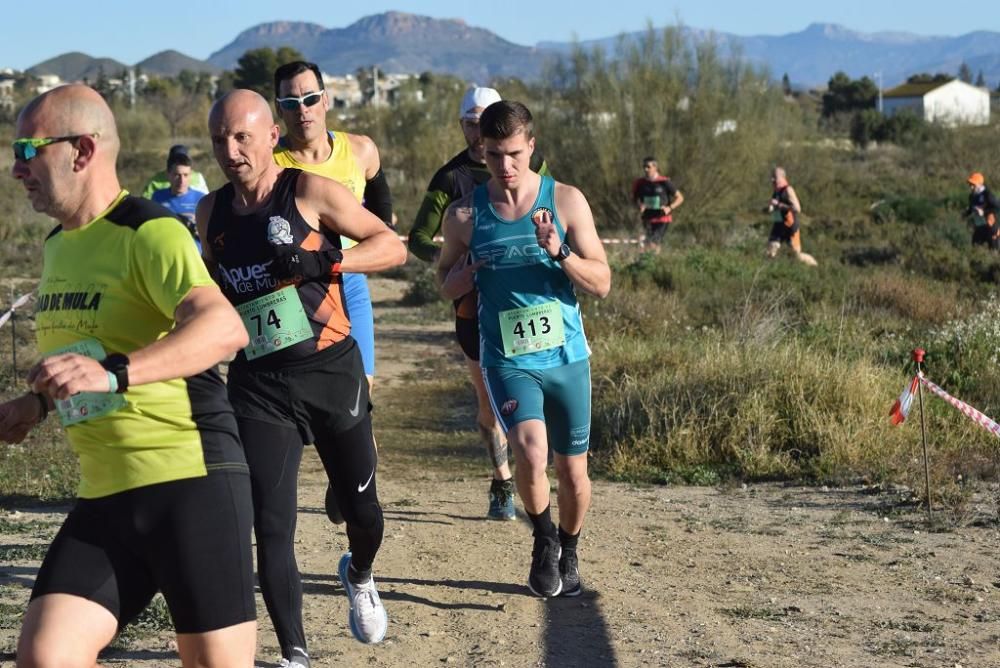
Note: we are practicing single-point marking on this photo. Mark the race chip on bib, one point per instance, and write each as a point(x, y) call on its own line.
point(532, 328)
point(274, 321)
point(87, 405)
point(651, 202)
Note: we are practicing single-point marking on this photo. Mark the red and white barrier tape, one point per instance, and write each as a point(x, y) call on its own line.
point(982, 420)
point(18, 303)
point(901, 408)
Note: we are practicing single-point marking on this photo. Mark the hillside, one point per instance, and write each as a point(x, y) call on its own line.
point(170, 63)
point(300, 35)
point(811, 56)
point(76, 66)
point(395, 41)
point(402, 42)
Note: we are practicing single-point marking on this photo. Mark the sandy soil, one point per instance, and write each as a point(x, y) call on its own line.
point(745, 576)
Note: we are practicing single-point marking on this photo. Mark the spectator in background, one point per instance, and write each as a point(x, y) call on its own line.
point(160, 180)
point(180, 197)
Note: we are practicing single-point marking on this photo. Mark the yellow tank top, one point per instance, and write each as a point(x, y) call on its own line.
point(340, 166)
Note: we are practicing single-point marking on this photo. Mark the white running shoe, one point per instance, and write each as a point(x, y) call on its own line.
point(299, 659)
point(367, 616)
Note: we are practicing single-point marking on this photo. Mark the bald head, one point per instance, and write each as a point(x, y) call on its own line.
point(73, 178)
point(778, 176)
point(242, 104)
point(73, 109)
point(244, 135)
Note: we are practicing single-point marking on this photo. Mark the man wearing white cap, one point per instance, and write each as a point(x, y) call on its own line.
point(458, 177)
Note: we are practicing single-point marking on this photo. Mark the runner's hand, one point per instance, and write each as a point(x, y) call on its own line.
point(546, 234)
point(62, 376)
point(295, 263)
point(17, 417)
point(461, 278)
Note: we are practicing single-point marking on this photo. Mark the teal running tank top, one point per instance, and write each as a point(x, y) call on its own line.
point(528, 314)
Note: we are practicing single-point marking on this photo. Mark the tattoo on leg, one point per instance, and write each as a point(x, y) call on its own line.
point(496, 445)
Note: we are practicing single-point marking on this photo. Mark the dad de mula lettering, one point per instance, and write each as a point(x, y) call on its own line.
point(68, 301)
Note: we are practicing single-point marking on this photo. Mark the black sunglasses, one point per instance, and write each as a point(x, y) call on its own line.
point(293, 103)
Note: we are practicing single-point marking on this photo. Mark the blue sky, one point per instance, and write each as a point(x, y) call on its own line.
point(130, 30)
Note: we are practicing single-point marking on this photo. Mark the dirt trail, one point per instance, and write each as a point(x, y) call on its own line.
point(755, 576)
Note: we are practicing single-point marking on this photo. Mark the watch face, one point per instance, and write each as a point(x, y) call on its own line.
point(563, 252)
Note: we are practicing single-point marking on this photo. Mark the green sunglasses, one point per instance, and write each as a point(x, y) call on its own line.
point(26, 148)
point(292, 103)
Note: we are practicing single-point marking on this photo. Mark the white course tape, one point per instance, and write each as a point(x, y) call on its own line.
point(403, 237)
point(18, 303)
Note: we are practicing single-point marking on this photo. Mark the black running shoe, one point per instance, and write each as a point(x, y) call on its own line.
point(501, 500)
point(569, 573)
point(544, 578)
point(332, 509)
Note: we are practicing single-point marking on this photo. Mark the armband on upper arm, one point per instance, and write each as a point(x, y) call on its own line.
point(378, 199)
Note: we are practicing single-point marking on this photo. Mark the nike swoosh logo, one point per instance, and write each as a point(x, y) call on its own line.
point(357, 406)
point(363, 487)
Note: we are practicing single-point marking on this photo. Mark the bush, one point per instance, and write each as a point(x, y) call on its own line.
point(904, 128)
point(916, 210)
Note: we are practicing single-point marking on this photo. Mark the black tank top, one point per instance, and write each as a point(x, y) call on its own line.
point(244, 246)
point(791, 216)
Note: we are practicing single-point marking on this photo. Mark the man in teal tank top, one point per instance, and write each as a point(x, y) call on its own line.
point(527, 243)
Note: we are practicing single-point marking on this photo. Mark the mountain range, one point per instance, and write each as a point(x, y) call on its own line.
point(396, 42)
point(400, 42)
point(76, 66)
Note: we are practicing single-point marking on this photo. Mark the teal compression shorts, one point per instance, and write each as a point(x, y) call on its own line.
point(559, 396)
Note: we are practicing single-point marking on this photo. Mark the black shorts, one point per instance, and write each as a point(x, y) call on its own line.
point(655, 231)
point(325, 393)
point(783, 233)
point(189, 539)
point(986, 235)
point(467, 333)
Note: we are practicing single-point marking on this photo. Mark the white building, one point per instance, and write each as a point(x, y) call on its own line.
point(47, 82)
point(949, 103)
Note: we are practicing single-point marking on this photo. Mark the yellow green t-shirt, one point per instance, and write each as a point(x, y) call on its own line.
point(117, 281)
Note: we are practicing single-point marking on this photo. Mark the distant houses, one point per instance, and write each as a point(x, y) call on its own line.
point(949, 103)
point(383, 89)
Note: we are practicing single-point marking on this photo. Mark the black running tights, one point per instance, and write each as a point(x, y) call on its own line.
point(274, 453)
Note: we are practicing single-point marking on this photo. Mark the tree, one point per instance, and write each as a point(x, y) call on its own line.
point(102, 85)
point(174, 102)
point(846, 95)
point(226, 82)
point(786, 84)
point(965, 73)
point(923, 77)
point(255, 68)
point(980, 80)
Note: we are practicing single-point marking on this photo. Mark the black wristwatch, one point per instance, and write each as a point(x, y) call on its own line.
point(117, 364)
point(563, 253)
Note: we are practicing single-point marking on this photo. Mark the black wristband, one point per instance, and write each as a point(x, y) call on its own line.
point(44, 403)
point(117, 364)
